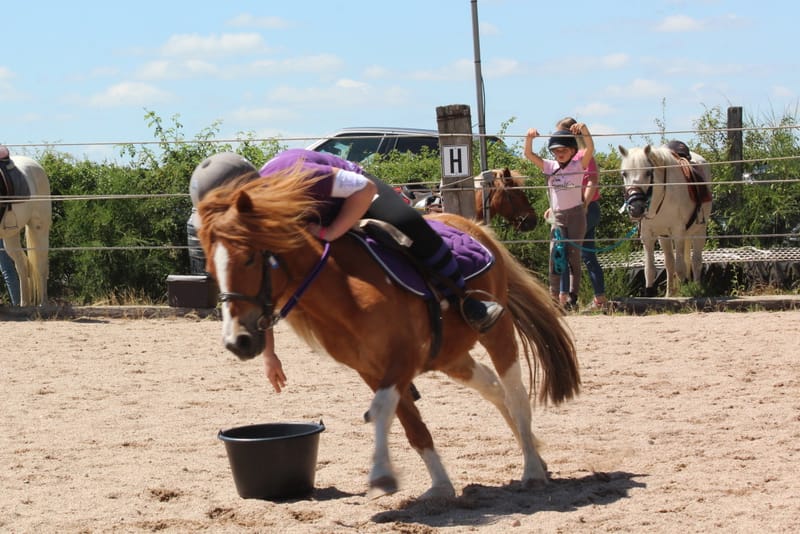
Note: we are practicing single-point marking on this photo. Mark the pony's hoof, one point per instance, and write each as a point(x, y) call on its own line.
point(439, 492)
point(385, 485)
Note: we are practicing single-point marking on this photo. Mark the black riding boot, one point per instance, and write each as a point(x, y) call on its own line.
point(478, 314)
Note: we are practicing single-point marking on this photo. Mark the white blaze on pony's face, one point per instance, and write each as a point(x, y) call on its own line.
point(240, 332)
point(220, 259)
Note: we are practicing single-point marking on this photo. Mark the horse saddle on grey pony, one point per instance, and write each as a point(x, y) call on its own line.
point(12, 183)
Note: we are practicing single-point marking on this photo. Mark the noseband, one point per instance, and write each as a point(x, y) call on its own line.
point(268, 317)
point(637, 195)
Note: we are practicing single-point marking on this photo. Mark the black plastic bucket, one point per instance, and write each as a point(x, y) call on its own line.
point(273, 461)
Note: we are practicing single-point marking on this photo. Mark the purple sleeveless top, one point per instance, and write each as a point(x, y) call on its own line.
point(319, 165)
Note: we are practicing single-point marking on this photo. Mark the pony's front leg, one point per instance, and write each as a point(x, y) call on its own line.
point(673, 263)
point(382, 479)
point(421, 440)
point(649, 245)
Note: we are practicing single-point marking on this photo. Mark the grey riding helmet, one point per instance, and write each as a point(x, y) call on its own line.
point(214, 171)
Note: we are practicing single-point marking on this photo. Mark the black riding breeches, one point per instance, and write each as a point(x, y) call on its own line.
point(427, 245)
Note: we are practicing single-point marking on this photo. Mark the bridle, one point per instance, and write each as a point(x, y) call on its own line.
point(637, 196)
point(516, 221)
point(268, 318)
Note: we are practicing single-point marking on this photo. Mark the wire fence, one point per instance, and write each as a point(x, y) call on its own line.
point(749, 180)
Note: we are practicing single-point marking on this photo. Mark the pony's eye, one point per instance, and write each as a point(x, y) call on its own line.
point(251, 258)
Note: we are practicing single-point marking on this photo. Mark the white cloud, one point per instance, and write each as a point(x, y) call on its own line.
point(500, 68)
point(177, 70)
point(247, 20)
point(692, 68)
point(263, 114)
point(781, 91)
point(351, 84)
point(459, 70)
point(595, 109)
point(7, 90)
point(679, 23)
point(615, 61)
point(344, 93)
point(376, 72)
point(322, 63)
point(487, 28)
point(193, 45)
point(129, 94)
point(103, 72)
point(639, 88)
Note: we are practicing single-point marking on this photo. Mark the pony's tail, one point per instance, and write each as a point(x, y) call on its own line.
point(540, 327)
point(38, 267)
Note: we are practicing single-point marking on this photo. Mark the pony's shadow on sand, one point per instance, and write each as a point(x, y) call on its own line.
point(479, 505)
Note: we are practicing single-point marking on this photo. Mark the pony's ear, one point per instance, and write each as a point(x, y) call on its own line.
point(244, 203)
point(508, 178)
point(623, 151)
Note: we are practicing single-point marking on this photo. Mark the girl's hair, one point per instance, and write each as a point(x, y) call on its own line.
point(565, 124)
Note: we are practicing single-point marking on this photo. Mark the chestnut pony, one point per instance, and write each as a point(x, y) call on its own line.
point(260, 253)
point(506, 198)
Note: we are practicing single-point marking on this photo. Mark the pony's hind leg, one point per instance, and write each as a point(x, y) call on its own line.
point(508, 394)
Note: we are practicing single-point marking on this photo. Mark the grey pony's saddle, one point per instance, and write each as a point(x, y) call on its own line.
point(12, 183)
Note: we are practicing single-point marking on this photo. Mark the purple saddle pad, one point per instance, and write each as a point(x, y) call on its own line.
point(472, 256)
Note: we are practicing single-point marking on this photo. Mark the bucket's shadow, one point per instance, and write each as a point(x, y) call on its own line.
point(332, 493)
point(480, 505)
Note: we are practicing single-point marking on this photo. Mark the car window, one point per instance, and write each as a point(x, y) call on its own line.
point(415, 144)
point(352, 149)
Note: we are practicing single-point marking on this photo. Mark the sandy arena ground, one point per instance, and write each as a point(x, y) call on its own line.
point(686, 423)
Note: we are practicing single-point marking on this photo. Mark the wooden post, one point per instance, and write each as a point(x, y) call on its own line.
point(455, 147)
point(736, 151)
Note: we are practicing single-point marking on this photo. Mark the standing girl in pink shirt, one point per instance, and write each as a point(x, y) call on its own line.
point(565, 190)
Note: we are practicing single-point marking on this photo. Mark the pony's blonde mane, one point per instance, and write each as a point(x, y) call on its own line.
point(499, 178)
point(265, 213)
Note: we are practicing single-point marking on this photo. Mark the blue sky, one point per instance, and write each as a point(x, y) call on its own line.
point(84, 72)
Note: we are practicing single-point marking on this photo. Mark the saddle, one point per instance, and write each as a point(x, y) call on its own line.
point(389, 248)
point(7, 169)
point(699, 192)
